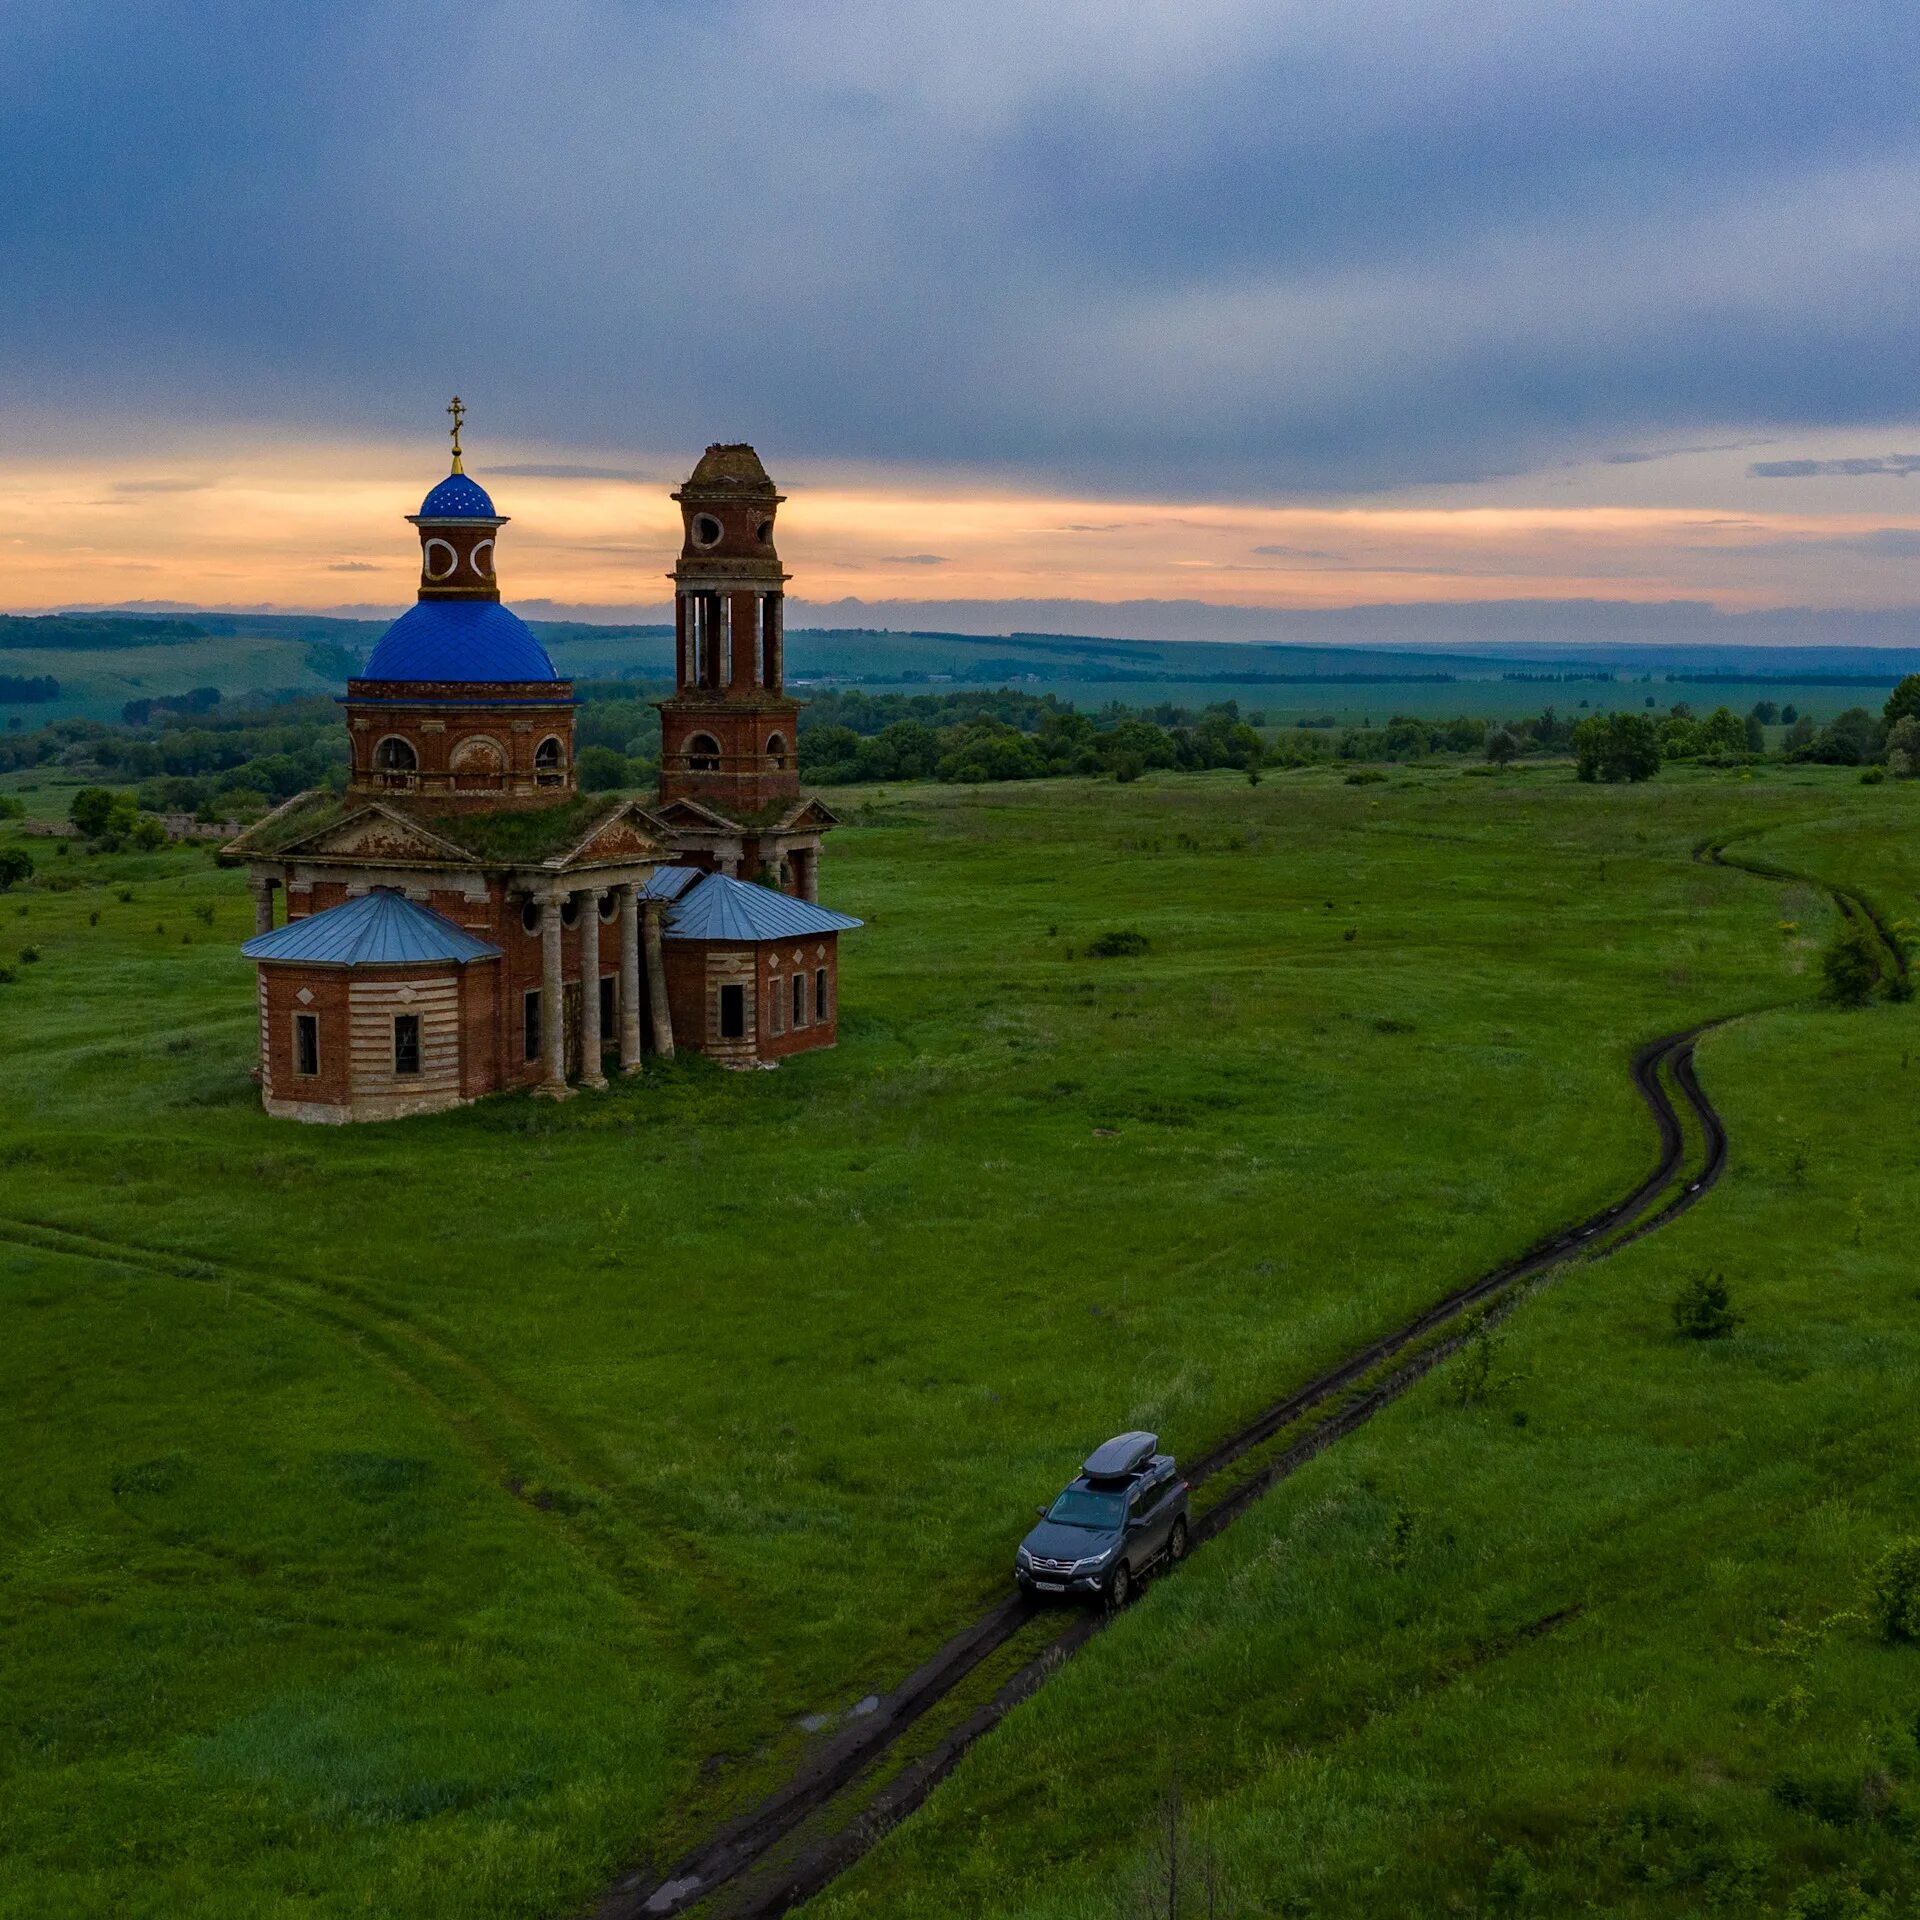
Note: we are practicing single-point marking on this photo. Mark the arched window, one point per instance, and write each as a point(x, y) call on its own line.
point(478, 763)
point(440, 559)
point(703, 753)
point(395, 761)
point(549, 762)
point(777, 749)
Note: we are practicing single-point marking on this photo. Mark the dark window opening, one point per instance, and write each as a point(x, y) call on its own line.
point(777, 749)
point(799, 1000)
point(406, 1043)
point(530, 1024)
point(820, 994)
point(703, 754)
point(394, 755)
point(606, 1008)
point(733, 1013)
point(306, 1044)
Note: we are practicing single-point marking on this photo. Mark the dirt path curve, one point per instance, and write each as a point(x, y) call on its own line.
point(750, 1865)
point(761, 1863)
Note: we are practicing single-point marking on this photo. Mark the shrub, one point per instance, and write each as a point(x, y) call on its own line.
point(1903, 747)
point(1118, 945)
point(1501, 746)
point(1703, 1308)
point(1850, 965)
point(7, 976)
point(148, 835)
point(1616, 746)
point(1893, 1592)
point(1366, 777)
point(1873, 776)
point(28, 955)
point(16, 864)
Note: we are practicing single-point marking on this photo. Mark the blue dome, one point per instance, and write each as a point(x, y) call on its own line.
point(457, 498)
point(458, 640)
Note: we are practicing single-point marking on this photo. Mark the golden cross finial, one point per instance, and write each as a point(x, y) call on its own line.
point(459, 413)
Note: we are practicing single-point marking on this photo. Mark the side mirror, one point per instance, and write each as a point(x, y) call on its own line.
point(1040, 1513)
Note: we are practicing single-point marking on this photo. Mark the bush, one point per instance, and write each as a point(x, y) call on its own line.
point(16, 864)
point(1851, 965)
point(1616, 746)
point(1893, 1592)
point(1703, 1308)
point(1500, 746)
point(148, 835)
point(1873, 776)
point(1366, 777)
point(1903, 747)
point(1116, 946)
point(29, 955)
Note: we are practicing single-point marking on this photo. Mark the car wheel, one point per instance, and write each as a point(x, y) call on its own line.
point(1120, 1587)
point(1177, 1542)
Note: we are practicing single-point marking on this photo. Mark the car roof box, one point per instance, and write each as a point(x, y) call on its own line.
point(1124, 1454)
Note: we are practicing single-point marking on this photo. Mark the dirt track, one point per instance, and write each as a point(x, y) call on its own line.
point(761, 1863)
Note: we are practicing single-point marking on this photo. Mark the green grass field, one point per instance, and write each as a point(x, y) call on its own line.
point(433, 1519)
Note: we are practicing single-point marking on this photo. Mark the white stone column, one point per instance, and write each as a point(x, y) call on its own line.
point(553, 1004)
point(262, 888)
point(655, 911)
point(809, 859)
point(629, 980)
point(590, 1038)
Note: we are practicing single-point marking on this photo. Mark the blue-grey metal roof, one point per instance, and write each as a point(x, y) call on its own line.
point(669, 883)
point(716, 907)
point(459, 640)
point(380, 929)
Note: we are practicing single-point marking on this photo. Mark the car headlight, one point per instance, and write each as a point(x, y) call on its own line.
point(1097, 1560)
point(1022, 1558)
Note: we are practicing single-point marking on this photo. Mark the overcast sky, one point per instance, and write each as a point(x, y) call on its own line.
point(1287, 259)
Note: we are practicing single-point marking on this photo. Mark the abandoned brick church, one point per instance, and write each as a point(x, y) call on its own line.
point(462, 919)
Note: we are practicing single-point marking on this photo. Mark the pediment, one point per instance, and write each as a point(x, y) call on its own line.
point(622, 838)
point(376, 833)
point(809, 813)
point(692, 815)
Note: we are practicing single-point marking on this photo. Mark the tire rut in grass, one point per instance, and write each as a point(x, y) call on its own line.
point(758, 1863)
point(511, 1445)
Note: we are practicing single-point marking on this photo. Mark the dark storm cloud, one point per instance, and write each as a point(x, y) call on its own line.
point(1229, 247)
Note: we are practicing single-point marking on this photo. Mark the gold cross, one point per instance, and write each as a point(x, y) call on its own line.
point(459, 413)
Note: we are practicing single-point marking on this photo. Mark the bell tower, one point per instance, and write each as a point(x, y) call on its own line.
point(730, 734)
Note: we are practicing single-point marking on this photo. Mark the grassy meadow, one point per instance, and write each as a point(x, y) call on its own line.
point(434, 1518)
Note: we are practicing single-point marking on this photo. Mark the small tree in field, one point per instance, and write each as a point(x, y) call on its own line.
point(1703, 1308)
point(1850, 965)
point(1501, 746)
point(1903, 748)
point(16, 864)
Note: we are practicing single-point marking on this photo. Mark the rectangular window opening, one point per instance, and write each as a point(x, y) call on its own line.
point(306, 1044)
point(774, 1003)
point(608, 1016)
point(733, 1013)
point(820, 994)
point(799, 1001)
point(530, 1024)
point(406, 1043)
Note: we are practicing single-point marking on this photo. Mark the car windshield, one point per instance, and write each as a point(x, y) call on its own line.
point(1081, 1507)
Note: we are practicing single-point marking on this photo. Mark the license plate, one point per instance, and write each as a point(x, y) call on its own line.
point(1051, 1586)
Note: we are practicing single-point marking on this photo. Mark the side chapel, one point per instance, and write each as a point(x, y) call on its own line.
point(462, 919)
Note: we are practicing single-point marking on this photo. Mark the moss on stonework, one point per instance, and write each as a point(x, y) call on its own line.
point(306, 813)
point(535, 835)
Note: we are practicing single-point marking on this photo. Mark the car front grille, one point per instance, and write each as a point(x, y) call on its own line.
point(1055, 1568)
